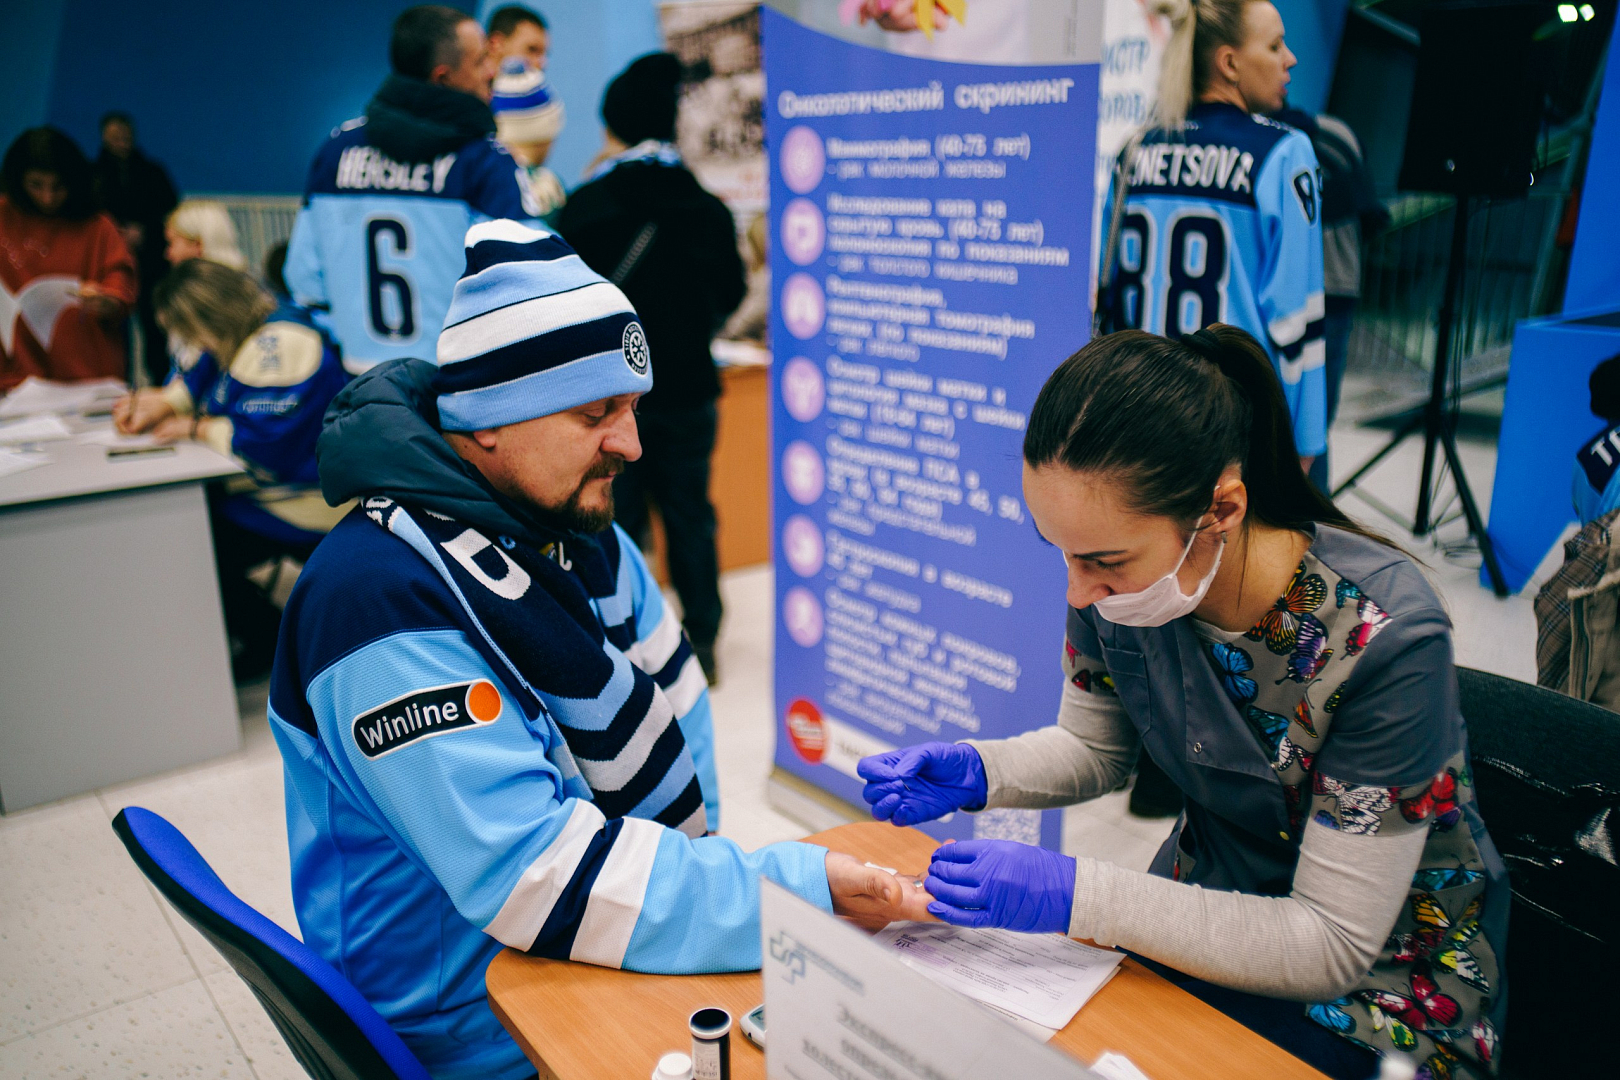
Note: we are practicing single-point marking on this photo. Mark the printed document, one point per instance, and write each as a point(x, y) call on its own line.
point(1044, 978)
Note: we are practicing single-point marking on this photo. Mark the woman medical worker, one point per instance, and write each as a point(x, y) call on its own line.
point(1290, 672)
point(1221, 219)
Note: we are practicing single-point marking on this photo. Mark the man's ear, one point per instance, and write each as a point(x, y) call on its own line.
point(487, 439)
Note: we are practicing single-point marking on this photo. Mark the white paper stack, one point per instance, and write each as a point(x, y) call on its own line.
point(32, 429)
point(36, 395)
point(1042, 978)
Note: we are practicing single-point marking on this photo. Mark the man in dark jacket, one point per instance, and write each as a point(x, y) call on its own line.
point(137, 192)
point(644, 222)
point(377, 244)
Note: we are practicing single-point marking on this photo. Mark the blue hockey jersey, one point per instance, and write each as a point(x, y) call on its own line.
point(378, 243)
point(1597, 475)
point(266, 410)
point(436, 810)
point(1223, 224)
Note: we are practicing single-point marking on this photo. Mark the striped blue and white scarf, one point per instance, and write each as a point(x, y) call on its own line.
point(532, 608)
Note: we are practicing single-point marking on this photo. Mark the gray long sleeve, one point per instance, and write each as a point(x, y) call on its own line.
point(1087, 753)
point(1312, 945)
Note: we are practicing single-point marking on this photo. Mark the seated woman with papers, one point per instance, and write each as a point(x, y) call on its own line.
point(264, 409)
point(1331, 883)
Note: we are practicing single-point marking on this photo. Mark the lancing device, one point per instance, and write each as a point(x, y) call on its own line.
point(711, 1044)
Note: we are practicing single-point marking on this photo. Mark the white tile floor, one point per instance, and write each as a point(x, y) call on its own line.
point(98, 977)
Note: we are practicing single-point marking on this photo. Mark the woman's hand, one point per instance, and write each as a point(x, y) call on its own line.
point(141, 411)
point(921, 783)
point(99, 304)
point(1000, 883)
point(172, 429)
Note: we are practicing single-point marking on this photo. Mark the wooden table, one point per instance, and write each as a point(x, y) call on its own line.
point(578, 1022)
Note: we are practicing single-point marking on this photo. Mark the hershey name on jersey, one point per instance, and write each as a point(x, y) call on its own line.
point(367, 167)
point(1224, 168)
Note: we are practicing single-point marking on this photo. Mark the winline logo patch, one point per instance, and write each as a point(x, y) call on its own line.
point(423, 713)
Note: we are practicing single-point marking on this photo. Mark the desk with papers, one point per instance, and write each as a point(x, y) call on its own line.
point(113, 657)
point(578, 1022)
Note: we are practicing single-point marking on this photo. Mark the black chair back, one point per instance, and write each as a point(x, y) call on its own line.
point(1547, 771)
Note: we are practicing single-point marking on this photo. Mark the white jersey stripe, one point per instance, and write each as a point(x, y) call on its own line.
point(529, 903)
point(614, 905)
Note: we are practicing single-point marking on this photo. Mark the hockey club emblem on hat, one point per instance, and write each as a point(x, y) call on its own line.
point(636, 353)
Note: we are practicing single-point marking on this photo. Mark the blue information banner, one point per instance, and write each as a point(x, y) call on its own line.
point(930, 257)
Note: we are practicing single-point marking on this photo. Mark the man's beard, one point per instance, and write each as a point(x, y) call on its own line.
point(576, 517)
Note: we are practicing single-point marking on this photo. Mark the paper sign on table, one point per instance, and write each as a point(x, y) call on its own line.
point(1044, 978)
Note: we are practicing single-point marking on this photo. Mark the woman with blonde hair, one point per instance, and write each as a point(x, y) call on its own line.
point(201, 229)
point(1214, 213)
point(263, 406)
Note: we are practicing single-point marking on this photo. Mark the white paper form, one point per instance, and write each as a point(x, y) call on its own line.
point(42, 428)
point(1044, 978)
point(36, 395)
point(16, 461)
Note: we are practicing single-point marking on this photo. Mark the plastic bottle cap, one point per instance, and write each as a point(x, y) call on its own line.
point(673, 1066)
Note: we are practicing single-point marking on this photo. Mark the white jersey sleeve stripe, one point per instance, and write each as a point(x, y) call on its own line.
point(616, 898)
point(529, 903)
point(1287, 329)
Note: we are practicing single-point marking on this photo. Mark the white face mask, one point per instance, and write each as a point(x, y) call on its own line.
point(1162, 601)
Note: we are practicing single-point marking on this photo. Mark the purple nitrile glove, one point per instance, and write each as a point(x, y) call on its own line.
point(921, 783)
point(1002, 883)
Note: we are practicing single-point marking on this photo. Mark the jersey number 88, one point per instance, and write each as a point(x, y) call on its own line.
point(1195, 264)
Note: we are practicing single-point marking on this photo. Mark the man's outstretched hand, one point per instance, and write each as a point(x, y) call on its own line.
point(872, 898)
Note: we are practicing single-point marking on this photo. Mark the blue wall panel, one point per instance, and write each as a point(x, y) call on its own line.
point(236, 97)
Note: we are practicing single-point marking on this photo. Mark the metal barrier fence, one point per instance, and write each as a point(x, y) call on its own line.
point(1403, 274)
point(262, 222)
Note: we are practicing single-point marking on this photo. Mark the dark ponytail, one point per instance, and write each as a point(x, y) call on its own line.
point(1165, 418)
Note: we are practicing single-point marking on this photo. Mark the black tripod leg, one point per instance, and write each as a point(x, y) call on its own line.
point(1367, 466)
point(1476, 524)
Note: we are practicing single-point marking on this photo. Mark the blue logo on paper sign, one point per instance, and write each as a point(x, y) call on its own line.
point(786, 951)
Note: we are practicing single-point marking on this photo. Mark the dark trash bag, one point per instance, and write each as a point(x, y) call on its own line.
point(1547, 772)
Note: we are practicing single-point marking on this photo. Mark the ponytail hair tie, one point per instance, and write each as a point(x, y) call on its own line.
point(1205, 344)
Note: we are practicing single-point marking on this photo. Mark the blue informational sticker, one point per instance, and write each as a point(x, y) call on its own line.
point(930, 255)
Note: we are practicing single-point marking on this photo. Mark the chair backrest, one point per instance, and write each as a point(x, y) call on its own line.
point(1547, 770)
point(329, 1027)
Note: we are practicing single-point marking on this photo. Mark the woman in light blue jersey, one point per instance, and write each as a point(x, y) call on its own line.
point(1221, 219)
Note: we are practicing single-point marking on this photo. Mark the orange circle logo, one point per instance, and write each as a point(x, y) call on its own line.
point(483, 701)
point(806, 730)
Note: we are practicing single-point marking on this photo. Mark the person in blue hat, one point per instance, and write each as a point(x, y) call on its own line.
point(494, 730)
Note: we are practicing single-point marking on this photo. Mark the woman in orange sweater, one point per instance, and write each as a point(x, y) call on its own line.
point(67, 279)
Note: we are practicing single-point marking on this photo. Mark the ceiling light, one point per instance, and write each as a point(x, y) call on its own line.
point(1566, 13)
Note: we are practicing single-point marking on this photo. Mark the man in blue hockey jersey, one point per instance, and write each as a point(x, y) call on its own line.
point(494, 731)
point(377, 243)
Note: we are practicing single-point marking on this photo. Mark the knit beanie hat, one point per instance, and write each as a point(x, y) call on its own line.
point(533, 331)
point(526, 108)
point(640, 101)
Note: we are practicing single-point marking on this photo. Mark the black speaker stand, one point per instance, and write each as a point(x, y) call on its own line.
point(1438, 420)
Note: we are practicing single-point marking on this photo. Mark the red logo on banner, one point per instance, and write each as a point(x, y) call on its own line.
point(807, 730)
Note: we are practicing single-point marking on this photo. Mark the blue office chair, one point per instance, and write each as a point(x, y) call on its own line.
point(332, 1031)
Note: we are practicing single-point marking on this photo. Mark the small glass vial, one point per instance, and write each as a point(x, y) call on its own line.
point(711, 1044)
